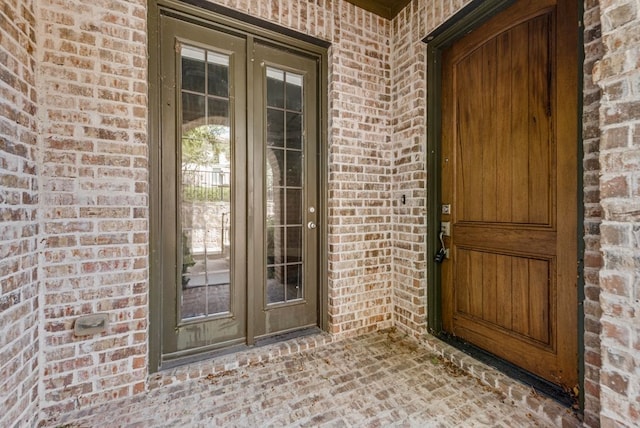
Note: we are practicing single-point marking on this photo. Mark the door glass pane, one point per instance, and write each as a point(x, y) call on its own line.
point(275, 88)
point(193, 69)
point(205, 185)
point(275, 128)
point(294, 281)
point(218, 111)
point(294, 92)
point(284, 182)
point(294, 131)
point(218, 77)
point(294, 168)
point(294, 244)
point(293, 208)
point(192, 107)
point(275, 168)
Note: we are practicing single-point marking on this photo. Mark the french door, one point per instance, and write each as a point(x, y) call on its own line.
point(238, 189)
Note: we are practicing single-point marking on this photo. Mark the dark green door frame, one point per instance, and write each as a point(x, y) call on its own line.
point(468, 18)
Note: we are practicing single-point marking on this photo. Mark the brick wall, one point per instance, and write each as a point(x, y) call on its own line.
point(92, 223)
point(409, 169)
point(95, 196)
point(360, 161)
point(592, 214)
point(19, 314)
point(94, 245)
point(410, 258)
point(618, 74)
point(410, 177)
point(359, 153)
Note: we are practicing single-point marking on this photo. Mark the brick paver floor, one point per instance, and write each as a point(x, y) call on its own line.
point(378, 380)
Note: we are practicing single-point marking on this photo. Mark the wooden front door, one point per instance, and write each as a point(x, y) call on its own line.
point(509, 178)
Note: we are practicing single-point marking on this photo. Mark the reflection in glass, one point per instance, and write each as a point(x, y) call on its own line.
point(294, 168)
point(284, 183)
point(294, 92)
point(204, 249)
point(275, 88)
point(294, 131)
point(193, 69)
point(275, 128)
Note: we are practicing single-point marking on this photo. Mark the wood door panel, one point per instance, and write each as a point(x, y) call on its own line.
point(509, 168)
point(523, 298)
point(540, 143)
point(524, 352)
point(503, 156)
point(506, 238)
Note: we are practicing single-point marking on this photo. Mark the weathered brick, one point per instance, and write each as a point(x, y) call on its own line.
point(19, 192)
point(614, 187)
point(615, 381)
point(91, 91)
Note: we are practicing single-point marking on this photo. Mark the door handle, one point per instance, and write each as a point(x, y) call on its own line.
point(443, 252)
point(311, 225)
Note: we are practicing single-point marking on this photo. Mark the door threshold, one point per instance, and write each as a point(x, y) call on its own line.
point(288, 335)
point(540, 385)
point(172, 363)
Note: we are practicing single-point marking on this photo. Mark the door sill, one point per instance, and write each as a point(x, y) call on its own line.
point(236, 348)
point(171, 363)
point(288, 335)
point(236, 357)
point(540, 385)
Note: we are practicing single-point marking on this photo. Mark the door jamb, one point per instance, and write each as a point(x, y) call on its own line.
point(468, 18)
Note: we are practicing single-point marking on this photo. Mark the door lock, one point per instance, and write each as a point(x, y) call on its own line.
point(445, 228)
point(443, 252)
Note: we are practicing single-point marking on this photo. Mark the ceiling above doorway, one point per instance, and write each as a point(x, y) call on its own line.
point(385, 8)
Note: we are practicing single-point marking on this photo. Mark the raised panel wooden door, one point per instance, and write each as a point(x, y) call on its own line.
point(509, 169)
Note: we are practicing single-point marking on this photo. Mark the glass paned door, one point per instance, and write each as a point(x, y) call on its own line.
point(205, 171)
point(285, 149)
point(284, 186)
point(238, 191)
point(203, 188)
